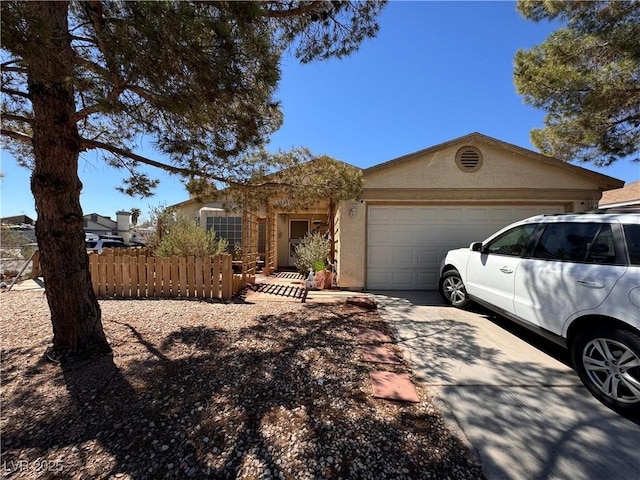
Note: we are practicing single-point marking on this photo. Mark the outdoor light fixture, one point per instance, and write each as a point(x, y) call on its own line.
point(353, 210)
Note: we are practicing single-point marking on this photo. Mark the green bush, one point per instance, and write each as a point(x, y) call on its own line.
point(183, 238)
point(12, 239)
point(311, 253)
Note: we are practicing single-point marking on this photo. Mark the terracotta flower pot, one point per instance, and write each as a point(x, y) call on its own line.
point(323, 279)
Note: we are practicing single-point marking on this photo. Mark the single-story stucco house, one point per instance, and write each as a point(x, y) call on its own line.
point(416, 207)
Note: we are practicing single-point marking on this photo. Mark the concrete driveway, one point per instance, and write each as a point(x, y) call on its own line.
point(513, 395)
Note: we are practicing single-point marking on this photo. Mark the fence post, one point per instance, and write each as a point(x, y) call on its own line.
point(133, 269)
point(94, 272)
point(199, 277)
point(182, 267)
point(142, 275)
point(227, 277)
point(216, 276)
point(206, 270)
point(175, 278)
point(35, 266)
point(102, 276)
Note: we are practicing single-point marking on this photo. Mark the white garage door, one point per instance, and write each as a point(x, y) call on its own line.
point(405, 244)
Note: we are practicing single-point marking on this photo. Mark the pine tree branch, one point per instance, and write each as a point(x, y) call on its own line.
point(4, 65)
point(16, 118)
point(291, 12)
point(188, 172)
point(17, 93)
point(23, 137)
point(14, 69)
point(83, 39)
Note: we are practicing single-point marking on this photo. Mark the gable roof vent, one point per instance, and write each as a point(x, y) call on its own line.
point(469, 159)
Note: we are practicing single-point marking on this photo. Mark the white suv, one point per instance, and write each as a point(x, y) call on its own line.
point(573, 278)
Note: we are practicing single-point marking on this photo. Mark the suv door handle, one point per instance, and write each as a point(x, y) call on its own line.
point(590, 284)
point(506, 270)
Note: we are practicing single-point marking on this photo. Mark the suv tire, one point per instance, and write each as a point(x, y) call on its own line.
point(452, 289)
point(608, 363)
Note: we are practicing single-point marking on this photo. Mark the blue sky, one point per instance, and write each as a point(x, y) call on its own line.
point(436, 71)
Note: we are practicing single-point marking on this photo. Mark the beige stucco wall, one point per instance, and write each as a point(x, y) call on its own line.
point(282, 225)
point(500, 169)
point(351, 249)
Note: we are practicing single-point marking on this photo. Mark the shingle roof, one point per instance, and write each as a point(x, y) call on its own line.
point(629, 194)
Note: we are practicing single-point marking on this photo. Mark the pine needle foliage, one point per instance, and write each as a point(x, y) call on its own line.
point(586, 76)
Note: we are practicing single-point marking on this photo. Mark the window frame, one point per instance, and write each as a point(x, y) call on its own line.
point(618, 244)
point(523, 249)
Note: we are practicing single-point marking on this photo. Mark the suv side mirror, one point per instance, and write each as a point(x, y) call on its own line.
point(476, 247)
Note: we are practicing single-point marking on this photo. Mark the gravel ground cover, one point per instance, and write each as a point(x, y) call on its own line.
point(213, 390)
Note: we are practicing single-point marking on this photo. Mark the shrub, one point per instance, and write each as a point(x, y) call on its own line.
point(182, 237)
point(311, 253)
point(13, 239)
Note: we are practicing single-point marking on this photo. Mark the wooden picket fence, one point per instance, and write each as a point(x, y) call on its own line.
point(118, 275)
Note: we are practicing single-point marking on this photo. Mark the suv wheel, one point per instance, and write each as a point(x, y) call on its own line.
point(608, 363)
point(453, 290)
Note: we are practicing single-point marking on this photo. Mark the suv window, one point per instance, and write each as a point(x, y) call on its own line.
point(632, 232)
point(511, 242)
point(602, 249)
point(569, 241)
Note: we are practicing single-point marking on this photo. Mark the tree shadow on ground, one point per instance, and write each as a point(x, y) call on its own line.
point(285, 398)
point(529, 416)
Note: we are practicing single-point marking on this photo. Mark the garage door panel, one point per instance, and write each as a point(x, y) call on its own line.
point(404, 237)
point(382, 254)
point(425, 257)
point(402, 256)
point(402, 277)
point(401, 215)
point(502, 214)
point(379, 214)
point(477, 215)
point(425, 277)
point(451, 215)
point(379, 277)
point(405, 244)
point(379, 237)
point(427, 214)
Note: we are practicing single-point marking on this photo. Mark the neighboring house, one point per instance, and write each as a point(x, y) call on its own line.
point(416, 207)
point(18, 220)
point(20, 223)
point(625, 197)
point(101, 225)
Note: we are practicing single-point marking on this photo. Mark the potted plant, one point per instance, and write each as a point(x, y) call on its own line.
point(323, 277)
point(311, 255)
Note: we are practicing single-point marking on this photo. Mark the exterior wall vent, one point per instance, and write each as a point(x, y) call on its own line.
point(469, 159)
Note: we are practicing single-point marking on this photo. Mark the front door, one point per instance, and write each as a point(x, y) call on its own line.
point(297, 231)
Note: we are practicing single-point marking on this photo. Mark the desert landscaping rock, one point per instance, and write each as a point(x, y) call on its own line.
point(273, 390)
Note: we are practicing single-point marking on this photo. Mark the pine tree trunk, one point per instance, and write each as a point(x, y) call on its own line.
point(75, 312)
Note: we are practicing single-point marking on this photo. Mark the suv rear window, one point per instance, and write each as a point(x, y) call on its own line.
point(576, 242)
point(632, 232)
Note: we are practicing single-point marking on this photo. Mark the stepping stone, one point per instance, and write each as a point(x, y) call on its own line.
point(362, 302)
point(369, 335)
point(377, 354)
point(393, 386)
